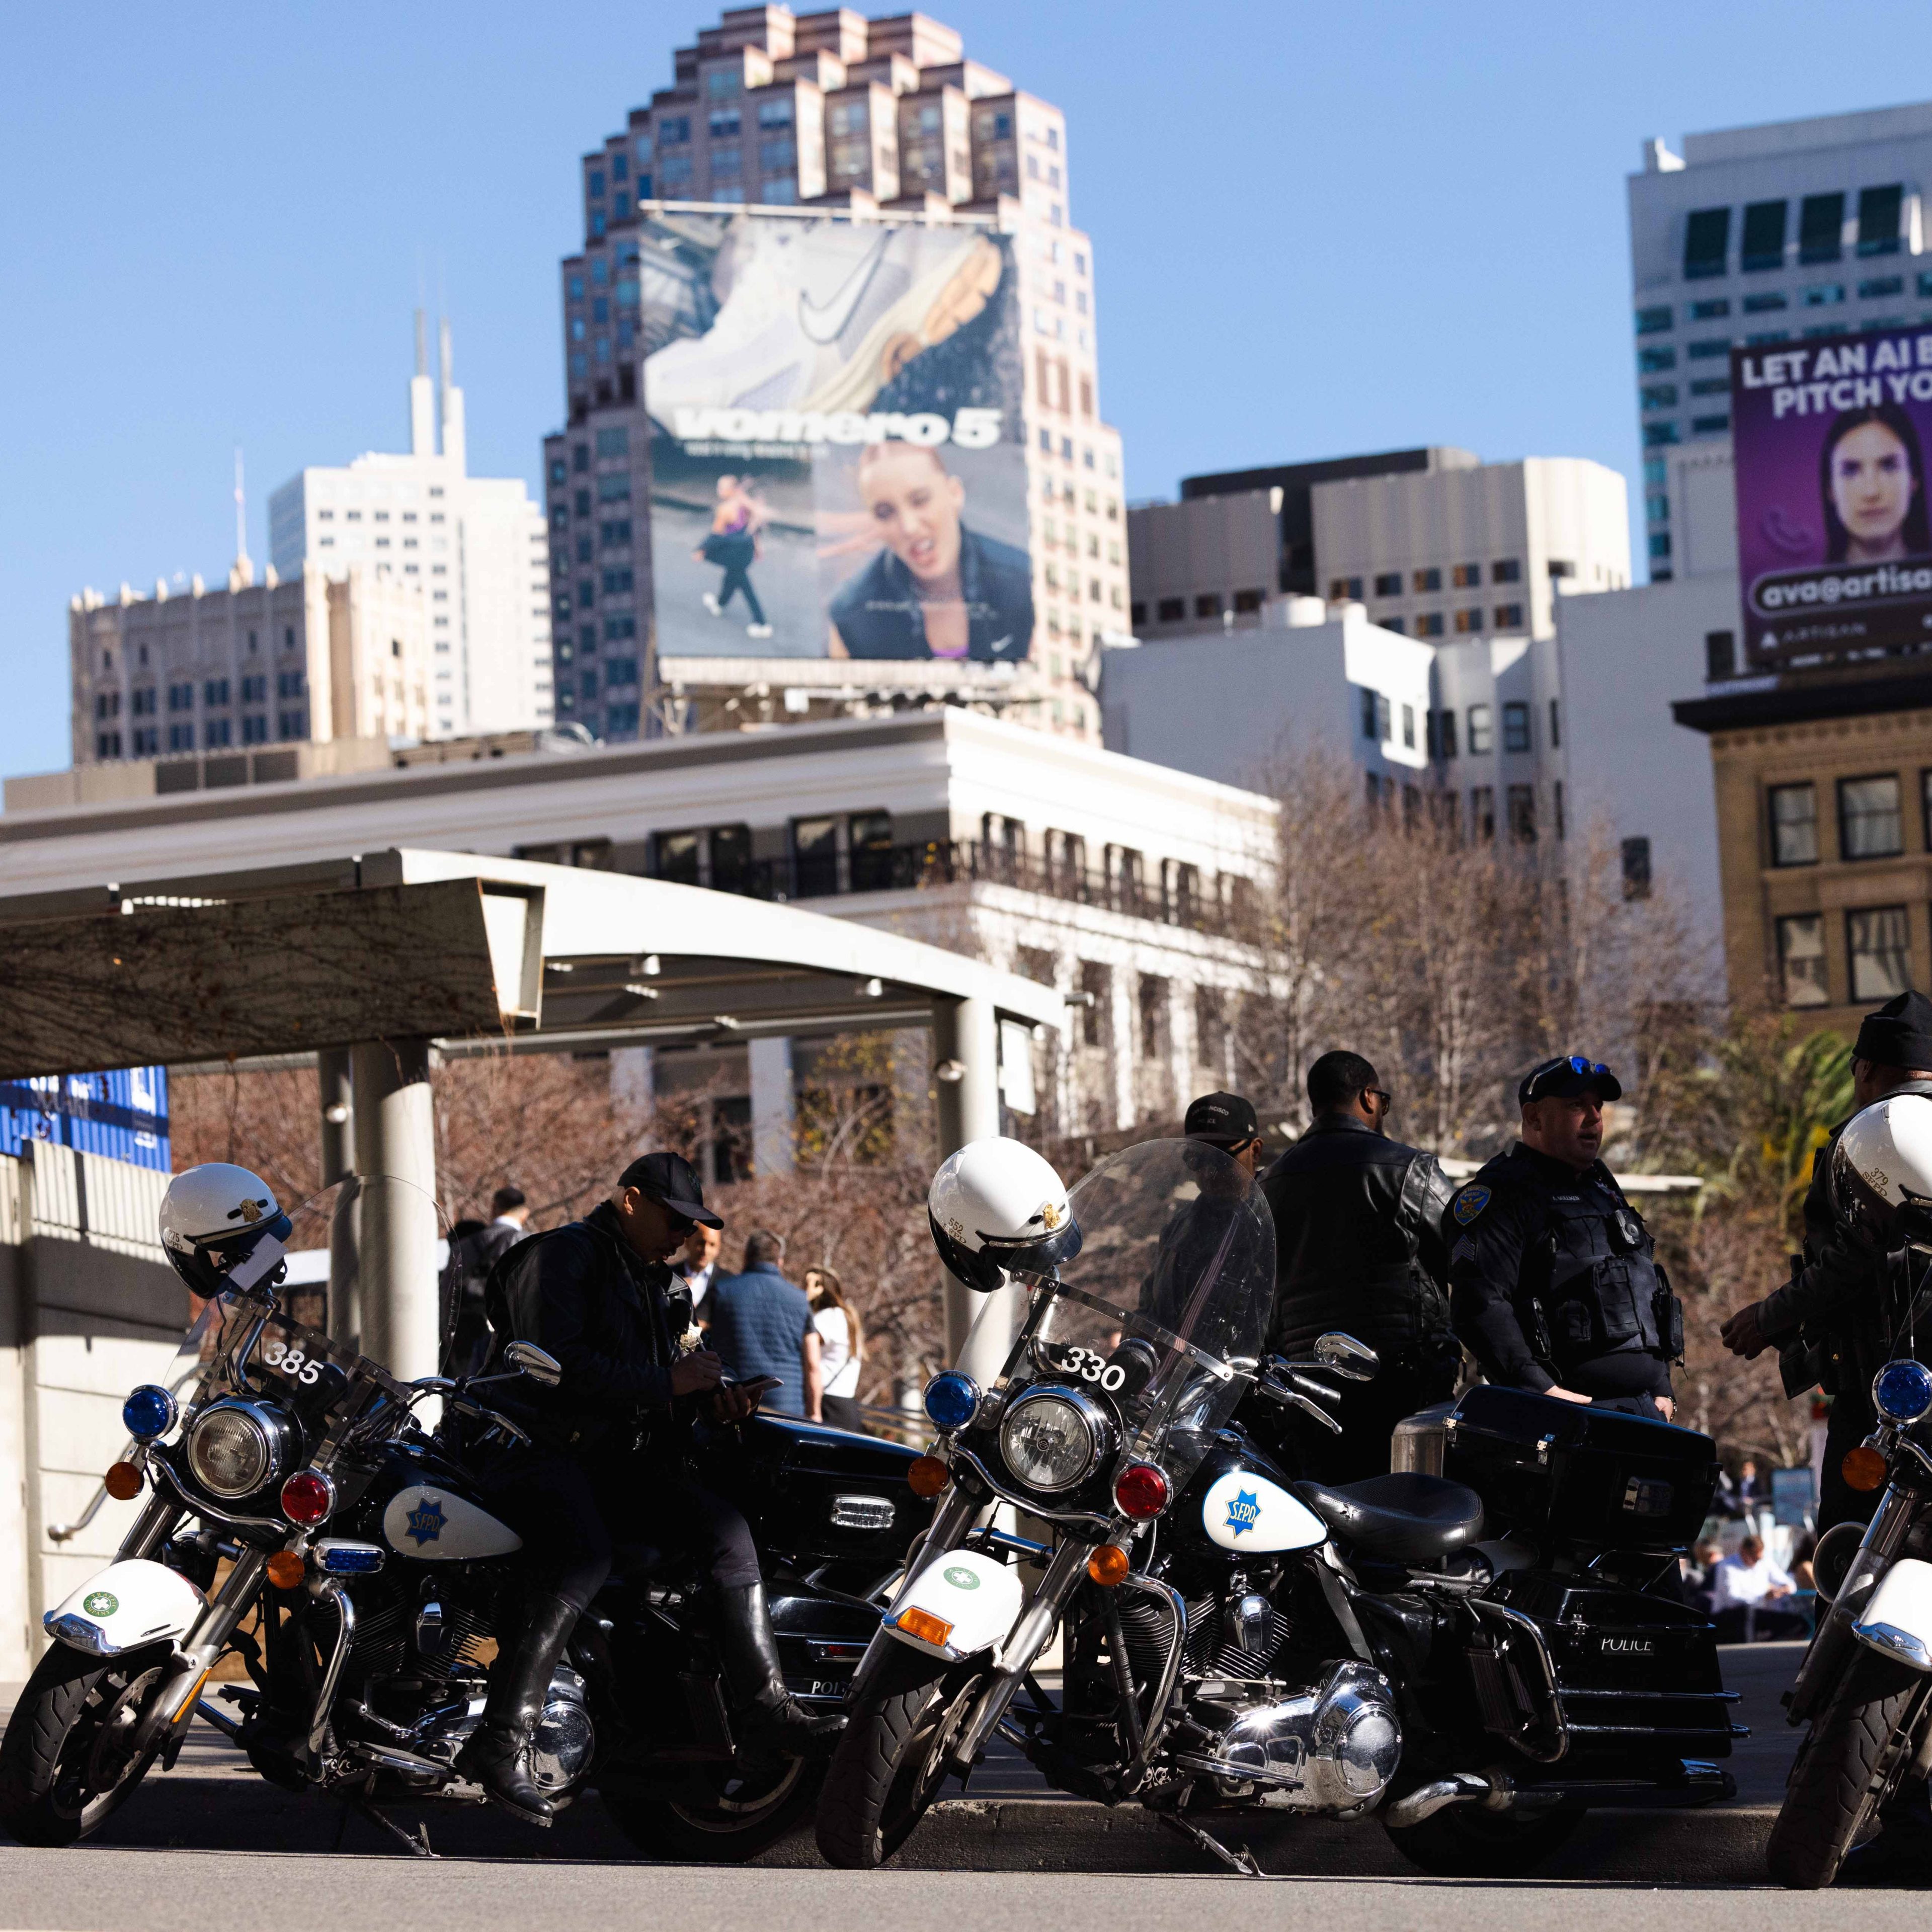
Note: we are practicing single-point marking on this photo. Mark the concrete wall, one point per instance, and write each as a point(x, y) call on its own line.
point(88, 1307)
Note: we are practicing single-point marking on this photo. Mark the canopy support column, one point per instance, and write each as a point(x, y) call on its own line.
point(979, 1328)
point(335, 1098)
point(395, 1165)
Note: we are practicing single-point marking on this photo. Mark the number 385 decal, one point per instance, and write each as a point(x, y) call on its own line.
point(1092, 1368)
point(293, 1363)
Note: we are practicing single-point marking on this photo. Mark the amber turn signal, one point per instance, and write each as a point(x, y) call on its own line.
point(122, 1481)
point(1864, 1468)
point(928, 1476)
point(285, 1569)
point(1108, 1565)
point(927, 1628)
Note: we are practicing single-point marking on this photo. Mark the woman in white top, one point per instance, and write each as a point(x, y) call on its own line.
point(843, 1342)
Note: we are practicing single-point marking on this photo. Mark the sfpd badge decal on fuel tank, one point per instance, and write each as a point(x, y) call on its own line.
point(426, 1521)
point(1244, 1510)
point(1470, 1203)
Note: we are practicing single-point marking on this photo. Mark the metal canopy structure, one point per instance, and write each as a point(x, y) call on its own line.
point(380, 962)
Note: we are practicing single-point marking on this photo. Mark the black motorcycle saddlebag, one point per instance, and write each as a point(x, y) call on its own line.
point(1586, 1475)
point(817, 1493)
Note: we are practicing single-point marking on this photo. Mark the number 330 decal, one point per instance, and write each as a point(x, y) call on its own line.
point(293, 1363)
point(1092, 1368)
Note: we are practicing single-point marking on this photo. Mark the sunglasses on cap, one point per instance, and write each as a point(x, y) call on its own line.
point(1573, 1062)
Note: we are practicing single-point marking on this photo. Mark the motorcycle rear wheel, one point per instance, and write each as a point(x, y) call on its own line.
point(1842, 1773)
point(62, 1772)
point(726, 1817)
point(1464, 1841)
point(890, 1763)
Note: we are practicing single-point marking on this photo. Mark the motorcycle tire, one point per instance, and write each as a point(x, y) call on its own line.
point(60, 1776)
point(1840, 1776)
point(1462, 1841)
point(724, 1820)
point(890, 1764)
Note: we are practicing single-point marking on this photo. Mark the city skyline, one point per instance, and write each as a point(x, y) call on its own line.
point(268, 317)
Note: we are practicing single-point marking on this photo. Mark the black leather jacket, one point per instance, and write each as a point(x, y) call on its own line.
point(612, 1321)
point(1358, 1243)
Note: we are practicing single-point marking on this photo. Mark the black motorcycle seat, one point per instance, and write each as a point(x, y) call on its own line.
point(1403, 1518)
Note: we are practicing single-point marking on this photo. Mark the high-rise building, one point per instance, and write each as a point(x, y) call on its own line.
point(1758, 235)
point(867, 118)
point(473, 548)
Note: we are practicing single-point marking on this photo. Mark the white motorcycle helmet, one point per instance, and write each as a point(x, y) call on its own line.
point(997, 1207)
point(1881, 1173)
point(213, 1217)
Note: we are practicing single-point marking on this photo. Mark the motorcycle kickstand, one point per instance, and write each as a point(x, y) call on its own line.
point(418, 1842)
point(1242, 1861)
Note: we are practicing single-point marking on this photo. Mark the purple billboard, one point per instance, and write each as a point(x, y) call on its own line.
point(1834, 555)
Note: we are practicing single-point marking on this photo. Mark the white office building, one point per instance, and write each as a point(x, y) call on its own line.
point(474, 547)
point(1764, 235)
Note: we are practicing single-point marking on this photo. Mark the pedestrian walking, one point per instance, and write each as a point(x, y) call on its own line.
point(841, 1346)
point(761, 1325)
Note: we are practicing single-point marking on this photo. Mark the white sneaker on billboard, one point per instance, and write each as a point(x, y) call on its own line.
point(824, 319)
point(757, 630)
point(712, 603)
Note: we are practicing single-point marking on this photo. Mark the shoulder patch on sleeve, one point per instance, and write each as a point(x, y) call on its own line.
point(1470, 1203)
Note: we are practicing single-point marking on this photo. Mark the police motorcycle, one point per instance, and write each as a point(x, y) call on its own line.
point(301, 1521)
point(1234, 1642)
point(1863, 1691)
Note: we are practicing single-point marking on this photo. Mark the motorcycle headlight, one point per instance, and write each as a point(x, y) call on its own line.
point(236, 1448)
point(1902, 1391)
point(1051, 1438)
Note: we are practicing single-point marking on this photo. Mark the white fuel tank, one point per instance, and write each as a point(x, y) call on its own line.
point(1244, 1511)
point(426, 1521)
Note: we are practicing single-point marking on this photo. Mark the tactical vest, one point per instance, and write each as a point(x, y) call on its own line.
point(1601, 1288)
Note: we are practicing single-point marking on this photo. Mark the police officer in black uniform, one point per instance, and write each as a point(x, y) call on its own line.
point(1358, 1247)
point(608, 1463)
point(1830, 1322)
point(1554, 1286)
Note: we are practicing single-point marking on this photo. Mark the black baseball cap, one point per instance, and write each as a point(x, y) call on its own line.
point(670, 1179)
point(1566, 1077)
point(1222, 1120)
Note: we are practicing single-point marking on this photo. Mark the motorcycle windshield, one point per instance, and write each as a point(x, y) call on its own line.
point(1163, 1313)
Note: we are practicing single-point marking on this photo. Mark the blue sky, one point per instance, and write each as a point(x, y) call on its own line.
point(1317, 230)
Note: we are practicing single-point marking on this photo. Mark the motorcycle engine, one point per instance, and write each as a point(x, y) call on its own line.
point(1332, 1747)
point(562, 1744)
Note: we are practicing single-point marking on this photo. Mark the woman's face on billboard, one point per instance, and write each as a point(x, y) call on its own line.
point(1871, 487)
point(914, 505)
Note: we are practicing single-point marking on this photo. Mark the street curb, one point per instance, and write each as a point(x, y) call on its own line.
point(1719, 1846)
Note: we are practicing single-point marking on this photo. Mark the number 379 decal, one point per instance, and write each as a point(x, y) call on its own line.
point(293, 1363)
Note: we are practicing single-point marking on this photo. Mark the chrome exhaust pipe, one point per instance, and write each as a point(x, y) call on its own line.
point(1494, 1791)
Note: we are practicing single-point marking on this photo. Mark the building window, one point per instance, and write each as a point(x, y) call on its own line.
point(1653, 321)
point(1658, 396)
point(107, 745)
point(1821, 227)
point(1344, 590)
point(1656, 361)
point(1429, 624)
point(1509, 616)
point(1097, 998)
point(1463, 575)
point(1154, 1017)
point(1707, 240)
point(1794, 825)
point(1482, 731)
point(1878, 212)
point(1636, 869)
point(1389, 584)
point(217, 732)
point(1878, 944)
point(1555, 731)
point(1657, 435)
point(1869, 819)
point(254, 730)
point(1800, 961)
point(1515, 727)
point(292, 724)
point(1172, 610)
point(1442, 734)
point(1208, 605)
point(1469, 621)
point(1483, 812)
point(1423, 581)
point(1246, 602)
point(1508, 571)
point(1711, 310)
point(1523, 814)
point(1720, 654)
point(1764, 235)
point(1408, 727)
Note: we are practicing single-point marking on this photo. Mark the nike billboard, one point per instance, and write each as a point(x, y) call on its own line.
point(1835, 550)
point(838, 459)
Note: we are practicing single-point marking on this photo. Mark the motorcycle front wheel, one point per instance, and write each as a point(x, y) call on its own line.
point(66, 1761)
point(728, 1814)
point(891, 1761)
point(1843, 1771)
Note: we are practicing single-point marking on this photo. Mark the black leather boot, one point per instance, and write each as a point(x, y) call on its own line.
point(766, 1715)
point(497, 1756)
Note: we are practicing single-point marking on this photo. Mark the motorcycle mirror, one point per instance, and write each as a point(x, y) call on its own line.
point(526, 1358)
point(1354, 1361)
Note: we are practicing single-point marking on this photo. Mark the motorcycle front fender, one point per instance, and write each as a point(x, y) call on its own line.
point(960, 1603)
point(1897, 1620)
point(128, 1605)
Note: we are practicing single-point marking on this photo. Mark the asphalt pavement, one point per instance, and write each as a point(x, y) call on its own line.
point(210, 1831)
